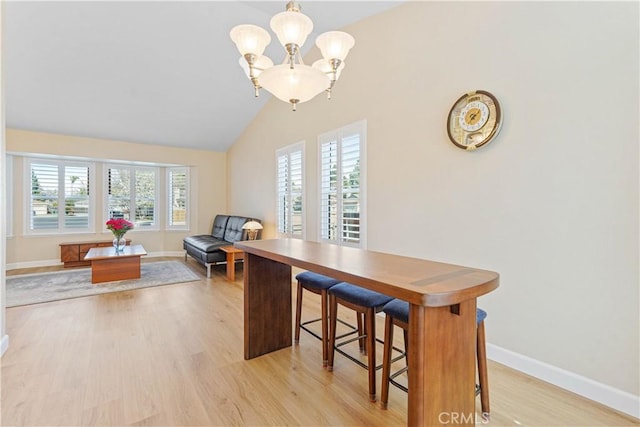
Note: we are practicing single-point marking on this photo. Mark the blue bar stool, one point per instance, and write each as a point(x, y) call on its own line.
point(364, 302)
point(318, 284)
point(397, 313)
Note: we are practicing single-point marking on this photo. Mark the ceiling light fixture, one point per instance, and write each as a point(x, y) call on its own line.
point(292, 81)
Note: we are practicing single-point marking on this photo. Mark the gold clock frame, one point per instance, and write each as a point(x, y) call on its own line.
point(459, 137)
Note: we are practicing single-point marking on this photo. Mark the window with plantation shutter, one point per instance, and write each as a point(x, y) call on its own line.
point(131, 193)
point(178, 198)
point(342, 179)
point(8, 194)
point(59, 196)
point(290, 189)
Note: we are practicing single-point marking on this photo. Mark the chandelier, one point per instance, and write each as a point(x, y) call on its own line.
point(292, 81)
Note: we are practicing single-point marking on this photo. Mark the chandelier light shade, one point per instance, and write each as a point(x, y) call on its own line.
point(250, 39)
point(291, 27)
point(292, 81)
point(294, 85)
point(335, 44)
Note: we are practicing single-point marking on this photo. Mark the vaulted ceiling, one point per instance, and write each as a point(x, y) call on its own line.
point(160, 72)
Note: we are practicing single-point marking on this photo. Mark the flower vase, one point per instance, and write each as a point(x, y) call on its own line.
point(119, 243)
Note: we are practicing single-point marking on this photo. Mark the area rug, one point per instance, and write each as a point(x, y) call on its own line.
point(44, 287)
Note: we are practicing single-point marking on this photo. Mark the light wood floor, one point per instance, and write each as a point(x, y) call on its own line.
point(172, 356)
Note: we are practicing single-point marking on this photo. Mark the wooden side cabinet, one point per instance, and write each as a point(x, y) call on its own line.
point(72, 253)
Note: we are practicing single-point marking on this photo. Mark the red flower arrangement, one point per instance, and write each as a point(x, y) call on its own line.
point(119, 226)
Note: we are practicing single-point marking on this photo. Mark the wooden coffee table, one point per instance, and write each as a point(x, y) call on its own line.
point(233, 255)
point(109, 266)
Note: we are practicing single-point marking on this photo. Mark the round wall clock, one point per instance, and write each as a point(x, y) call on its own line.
point(474, 120)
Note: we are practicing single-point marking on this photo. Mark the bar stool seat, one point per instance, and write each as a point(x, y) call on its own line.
point(397, 313)
point(368, 303)
point(317, 284)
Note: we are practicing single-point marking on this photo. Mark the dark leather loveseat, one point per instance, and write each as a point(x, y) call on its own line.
point(205, 248)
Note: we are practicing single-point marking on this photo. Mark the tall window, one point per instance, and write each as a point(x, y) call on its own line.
point(131, 193)
point(178, 198)
point(8, 195)
point(59, 196)
point(290, 188)
point(342, 178)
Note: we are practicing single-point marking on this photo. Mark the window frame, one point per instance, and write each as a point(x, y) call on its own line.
point(298, 147)
point(61, 200)
point(338, 135)
point(132, 194)
point(169, 207)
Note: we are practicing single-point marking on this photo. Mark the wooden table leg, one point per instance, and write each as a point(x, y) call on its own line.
point(442, 365)
point(231, 266)
point(267, 306)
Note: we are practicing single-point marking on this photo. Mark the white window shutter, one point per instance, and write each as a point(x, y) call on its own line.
point(178, 198)
point(60, 199)
point(341, 185)
point(290, 190)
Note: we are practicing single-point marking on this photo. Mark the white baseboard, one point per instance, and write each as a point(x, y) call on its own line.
point(31, 264)
point(593, 390)
point(4, 344)
point(169, 253)
point(54, 262)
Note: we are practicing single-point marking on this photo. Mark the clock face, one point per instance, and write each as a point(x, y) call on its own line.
point(474, 120)
point(473, 116)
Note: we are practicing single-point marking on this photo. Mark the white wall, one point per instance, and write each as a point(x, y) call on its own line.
point(4, 338)
point(551, 204)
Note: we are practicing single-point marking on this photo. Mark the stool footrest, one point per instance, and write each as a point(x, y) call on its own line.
point(400, 372)
point(402, 355)
point(354, 329)
point(303, 327)
point(308, 322)
point(356, 361)
point(400, 386)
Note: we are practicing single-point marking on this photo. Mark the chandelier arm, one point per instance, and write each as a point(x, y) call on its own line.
point(293, 6)
point(251, 60)
point(256, 86)
point(330, 89)
point(292, 50)
point(335, 63)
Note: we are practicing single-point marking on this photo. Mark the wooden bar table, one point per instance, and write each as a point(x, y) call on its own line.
point(442, 314)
